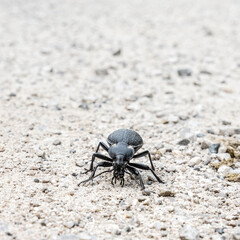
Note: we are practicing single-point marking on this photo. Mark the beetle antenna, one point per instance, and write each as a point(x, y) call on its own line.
point(96, 176)
point(103, 172)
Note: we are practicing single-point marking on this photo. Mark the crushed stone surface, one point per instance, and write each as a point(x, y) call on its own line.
point(74, 71)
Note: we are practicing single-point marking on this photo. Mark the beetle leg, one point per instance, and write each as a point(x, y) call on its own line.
point(97, 155)
point(112, 181)
point(145, 167)
point(103, 145)
point(142, 154)
point(137, 173)
point(101, 164)
point(122, 182)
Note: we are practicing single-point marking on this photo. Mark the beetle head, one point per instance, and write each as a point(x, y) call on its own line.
point(119, 166)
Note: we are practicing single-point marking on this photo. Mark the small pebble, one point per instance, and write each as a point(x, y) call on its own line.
point(173, 119)
point(160, 226)
point(2, 148)
point(189, 233)
point(185, 72)
point(197, 169)
point(118, 232)
point(117, 52)
point(223, 156)
point(214, 148)
point(69, 225)
point(12, 95)
point(72, 151)
point(40, 153)
point(57, 142)
point(225, 122)
point(224, 170)
point(220, 230)
point(183, 142)
point(101, 72)
point(46, 180)
point(205, 143)
point(84, 106)
point(170, 209)
point(146, 192)
point(211, 131)
point(200, 135)
point(236, 234)
point(166, 193)
point(194, 161)
point(222, 149)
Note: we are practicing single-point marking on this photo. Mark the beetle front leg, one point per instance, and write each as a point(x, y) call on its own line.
point(145, 167)
point(142, 154)
point(97, 155)
point(137, 173)
point(103, 145)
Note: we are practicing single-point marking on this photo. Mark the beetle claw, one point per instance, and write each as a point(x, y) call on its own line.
point(112, 181)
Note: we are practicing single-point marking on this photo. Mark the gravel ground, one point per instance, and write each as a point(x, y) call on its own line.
point(74, 71)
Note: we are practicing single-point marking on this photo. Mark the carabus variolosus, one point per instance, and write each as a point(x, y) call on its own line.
point(123, 145)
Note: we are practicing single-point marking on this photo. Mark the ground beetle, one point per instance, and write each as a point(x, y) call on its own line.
point(123, 144)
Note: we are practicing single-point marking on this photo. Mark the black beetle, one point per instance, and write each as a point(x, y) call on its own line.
point(123, 144)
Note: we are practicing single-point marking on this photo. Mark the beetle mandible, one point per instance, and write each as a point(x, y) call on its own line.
point(123, 145)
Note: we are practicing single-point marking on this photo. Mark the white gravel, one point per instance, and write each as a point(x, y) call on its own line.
point(74, 71)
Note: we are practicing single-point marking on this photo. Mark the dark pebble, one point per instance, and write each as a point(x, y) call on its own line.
point(214, 148)
point(58, 108)
point(84, 106)
point(200, 135)
point(12, 95)
point(184, 72)
point(149, 183)
point(72, 151)
point(101, 72)
point(184, 142)
point(74, 174)
point(43, 223)
point(220, 230)
point(36, 180)
point(224, 122)
point(237, 131)
point(210, 131)
point(117, 53)
point(205, 72)
point(197, 169)
point(57, 142)
point(118, 232)
point(128, 229)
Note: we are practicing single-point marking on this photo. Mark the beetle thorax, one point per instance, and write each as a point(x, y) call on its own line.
point(122, 150)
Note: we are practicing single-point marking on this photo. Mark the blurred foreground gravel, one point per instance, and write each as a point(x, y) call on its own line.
point(74, 71)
